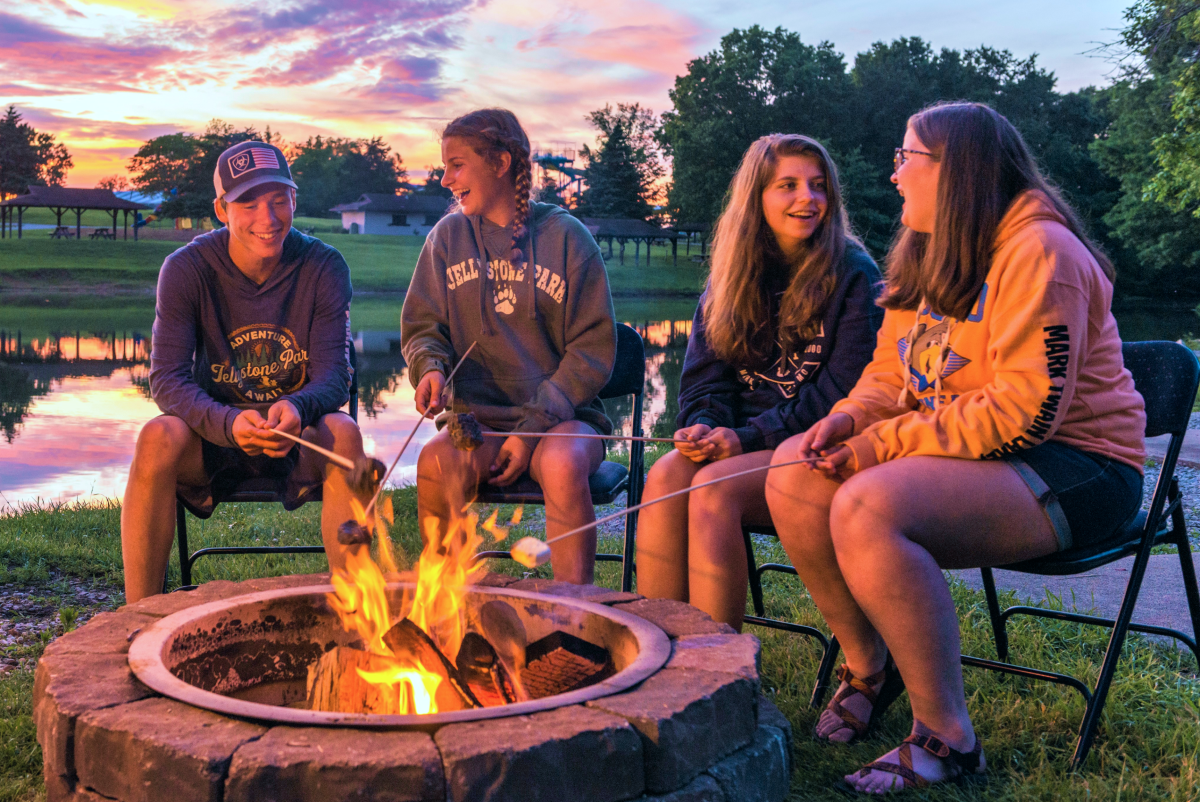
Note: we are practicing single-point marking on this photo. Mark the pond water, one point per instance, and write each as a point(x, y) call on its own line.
point(74, 390)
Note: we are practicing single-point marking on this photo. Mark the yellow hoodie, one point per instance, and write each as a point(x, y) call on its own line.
point(1039, 358)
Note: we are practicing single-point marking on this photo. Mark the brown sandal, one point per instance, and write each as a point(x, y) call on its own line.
point(892, 687)
point(967, 762)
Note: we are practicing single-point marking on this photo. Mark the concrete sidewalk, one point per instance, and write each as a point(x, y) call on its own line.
point(1161, 602)
point(1188, 455)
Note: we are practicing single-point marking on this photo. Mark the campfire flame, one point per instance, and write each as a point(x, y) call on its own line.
point(443, 573)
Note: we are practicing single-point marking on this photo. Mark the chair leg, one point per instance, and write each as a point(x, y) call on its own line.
point(185, 558)
point(756, 594)
point(627, 558)
point(1188, 568)
point(1095, 707)
point(999, 625)
point(824, 672)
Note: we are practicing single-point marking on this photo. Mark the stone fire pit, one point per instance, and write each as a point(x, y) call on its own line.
point(695, 730)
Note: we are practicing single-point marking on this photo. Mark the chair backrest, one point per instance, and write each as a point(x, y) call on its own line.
point(629, 372)
point(1167, 375)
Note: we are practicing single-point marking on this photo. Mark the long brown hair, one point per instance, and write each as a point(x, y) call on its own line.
point(490, 133)
point(737, 308)
point(985, 166)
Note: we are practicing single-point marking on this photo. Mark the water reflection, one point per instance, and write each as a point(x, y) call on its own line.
point(73, 401)
point(70, 422)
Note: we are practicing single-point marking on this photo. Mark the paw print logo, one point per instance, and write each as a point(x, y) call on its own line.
point(505, 300)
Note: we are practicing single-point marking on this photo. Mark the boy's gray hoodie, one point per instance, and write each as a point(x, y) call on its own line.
point(546, 337)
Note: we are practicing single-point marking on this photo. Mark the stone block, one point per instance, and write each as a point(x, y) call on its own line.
point(725, 654)
point(164, 604)
point(562, 755)
point(66, 686)
point(289, 581)
point(491, 579)
point(701, 789)
point(104, 633)
point(757, 773)
point(771, 716)
point(589, 593)
point(294, 764)
point(688, 721)
point(675, 618)
point(158, 749)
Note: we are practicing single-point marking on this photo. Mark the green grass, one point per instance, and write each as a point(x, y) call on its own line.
point(378, 264)
point(1147, 748)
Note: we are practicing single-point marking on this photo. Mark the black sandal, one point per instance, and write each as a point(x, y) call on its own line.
point(967, 762)
point(892, 687)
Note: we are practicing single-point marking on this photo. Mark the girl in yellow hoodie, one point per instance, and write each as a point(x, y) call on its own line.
point(995, 423)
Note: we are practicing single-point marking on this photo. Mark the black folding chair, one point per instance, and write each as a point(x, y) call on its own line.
point(628, 378)
point(829, 645)
point(263, 490)
point(1166, 374)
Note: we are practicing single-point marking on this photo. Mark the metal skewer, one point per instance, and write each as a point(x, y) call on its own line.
point(589, 436)
point(531, 552)
point(408, 440)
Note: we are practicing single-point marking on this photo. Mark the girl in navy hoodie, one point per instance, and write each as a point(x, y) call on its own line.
point(783, 331)
point(524, 281)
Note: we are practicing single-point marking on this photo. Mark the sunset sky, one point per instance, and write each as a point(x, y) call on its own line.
point(105, 76)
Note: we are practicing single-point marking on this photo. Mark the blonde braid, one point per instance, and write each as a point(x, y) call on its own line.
point(523, 180)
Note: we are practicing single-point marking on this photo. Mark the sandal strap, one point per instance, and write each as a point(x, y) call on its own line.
point(862, 685)
point(849, 719)
point(966, 761)
point(903, 769)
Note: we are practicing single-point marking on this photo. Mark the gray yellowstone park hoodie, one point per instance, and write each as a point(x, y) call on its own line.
point(546, 337)
point(223, 343)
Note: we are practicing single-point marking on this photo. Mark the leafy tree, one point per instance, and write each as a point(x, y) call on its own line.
point(757, 82)
point(331, 171)
point(624, 167)
point(181, 166)
point(549, 192)
point(113, 183)
point(1157, 236)
point(433, 182)
point(28, 157)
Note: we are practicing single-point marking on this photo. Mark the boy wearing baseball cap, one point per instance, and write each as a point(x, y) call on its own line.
point(251, 335)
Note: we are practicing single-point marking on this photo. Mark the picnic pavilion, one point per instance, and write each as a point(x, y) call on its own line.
point(69, 199)
point(624, 230)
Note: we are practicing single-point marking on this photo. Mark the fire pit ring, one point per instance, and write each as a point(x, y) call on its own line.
point(696, 729)
point(274, 630)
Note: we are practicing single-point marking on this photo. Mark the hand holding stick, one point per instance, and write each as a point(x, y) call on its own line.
point(337, 459)
point(531, 552)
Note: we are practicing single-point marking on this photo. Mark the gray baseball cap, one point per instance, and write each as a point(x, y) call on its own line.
point(250, 164)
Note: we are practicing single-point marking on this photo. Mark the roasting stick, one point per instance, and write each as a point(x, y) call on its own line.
point(335, 458)
point(531, 552)
point(589, 436)
point(408, 440)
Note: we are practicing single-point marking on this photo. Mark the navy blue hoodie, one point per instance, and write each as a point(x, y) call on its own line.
point(766, 407)
point(223, 343)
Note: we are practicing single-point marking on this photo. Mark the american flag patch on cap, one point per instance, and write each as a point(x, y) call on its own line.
point(253, 159)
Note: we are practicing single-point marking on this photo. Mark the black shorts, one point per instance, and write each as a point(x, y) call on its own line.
point(1087, 496)
point(227, 468)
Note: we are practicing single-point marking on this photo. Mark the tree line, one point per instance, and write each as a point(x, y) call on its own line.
point(1127, 155)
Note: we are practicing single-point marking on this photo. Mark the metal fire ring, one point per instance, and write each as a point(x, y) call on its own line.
point(146, 659)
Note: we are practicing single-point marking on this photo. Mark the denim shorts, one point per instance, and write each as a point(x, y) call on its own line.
point(1087, 496)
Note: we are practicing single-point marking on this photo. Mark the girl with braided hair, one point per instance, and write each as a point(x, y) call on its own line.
point(526, 282)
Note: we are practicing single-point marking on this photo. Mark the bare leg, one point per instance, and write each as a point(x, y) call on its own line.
point(800, 500)
point(662, 532)
point(717, 571)
point(338, 433)
point(448, 479)
point(562, 467)
point(167, 453)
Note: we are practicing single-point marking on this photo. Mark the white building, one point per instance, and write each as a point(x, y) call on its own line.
point(410, 213)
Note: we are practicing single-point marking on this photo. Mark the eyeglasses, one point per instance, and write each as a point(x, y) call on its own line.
point(900, 158)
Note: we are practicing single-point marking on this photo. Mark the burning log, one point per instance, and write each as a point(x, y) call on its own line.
point(335, 684)
point(481, 668)
point(409, 641)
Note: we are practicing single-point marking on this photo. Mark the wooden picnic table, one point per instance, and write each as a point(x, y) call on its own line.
point(103, 233)
point(62, 232)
